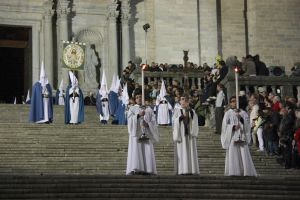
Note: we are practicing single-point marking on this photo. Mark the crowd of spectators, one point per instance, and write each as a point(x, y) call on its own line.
point(275, 120)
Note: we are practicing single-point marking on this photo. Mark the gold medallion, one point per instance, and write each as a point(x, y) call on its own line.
point(73, 56)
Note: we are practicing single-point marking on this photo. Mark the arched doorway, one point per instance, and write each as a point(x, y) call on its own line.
point(15, 62)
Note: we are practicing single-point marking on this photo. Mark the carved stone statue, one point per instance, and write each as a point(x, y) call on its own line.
point(91, 65)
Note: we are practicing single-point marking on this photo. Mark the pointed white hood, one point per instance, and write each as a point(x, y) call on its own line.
point(15, 101)
point(162, 92)
point(125, 96)
point(113, 83)
point(28, 97)
point(103, 89)
point(43, 78)
point(73, 79)
point(61, 85)
point(117, 85)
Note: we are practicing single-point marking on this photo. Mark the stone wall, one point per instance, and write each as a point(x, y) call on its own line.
point(233, 28)
point(208, 31)
point(89, 25)
point(173, 29)
point(274, 31)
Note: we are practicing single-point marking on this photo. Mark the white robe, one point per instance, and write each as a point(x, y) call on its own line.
point(45, 105)
point(61, 100)
point(141, 156)
point(74, 106)
point(238, 161)
point(186, 147)
point(105, 109)
point(163, 116)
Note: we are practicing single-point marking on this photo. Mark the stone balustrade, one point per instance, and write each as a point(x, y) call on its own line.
point(179, 75)
point(286, 85)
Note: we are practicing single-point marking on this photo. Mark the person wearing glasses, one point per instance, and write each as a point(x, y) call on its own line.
point(235, 137)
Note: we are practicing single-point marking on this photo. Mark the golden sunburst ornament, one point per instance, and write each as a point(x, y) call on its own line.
point(73, 55)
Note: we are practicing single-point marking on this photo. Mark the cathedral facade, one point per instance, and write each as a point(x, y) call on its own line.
point(113, 33)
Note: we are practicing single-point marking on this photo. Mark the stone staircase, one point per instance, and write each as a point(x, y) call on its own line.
point(88, 161)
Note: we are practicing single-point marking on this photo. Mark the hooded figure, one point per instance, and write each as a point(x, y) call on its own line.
point(74, 107)
point(121, 114)
point(164, 108)
point(102, 101)
point(113, 98)
point(60, 96)
point(41, 108)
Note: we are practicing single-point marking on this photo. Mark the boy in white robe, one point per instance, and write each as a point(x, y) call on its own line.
point(141, 123)
point(185, 132)
point(235, 137)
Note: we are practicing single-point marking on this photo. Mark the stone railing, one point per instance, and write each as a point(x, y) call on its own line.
point(192, 75)
point(285, 84)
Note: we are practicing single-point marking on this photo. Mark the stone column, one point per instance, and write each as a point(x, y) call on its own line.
point(62, 17)
point(48, 48)
point(112, 67)
point(125, 33)
point(209, 30)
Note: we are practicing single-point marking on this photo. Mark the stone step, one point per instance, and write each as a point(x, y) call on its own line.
point(139, 187)
point(56, 156)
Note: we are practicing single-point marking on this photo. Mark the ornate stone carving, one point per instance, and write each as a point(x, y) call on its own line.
point(112, 12)
point(48, 11)
point(125, 10)
point(62, 8)
point(94, 42)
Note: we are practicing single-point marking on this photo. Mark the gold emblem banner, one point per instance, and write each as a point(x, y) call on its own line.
point(73, 55)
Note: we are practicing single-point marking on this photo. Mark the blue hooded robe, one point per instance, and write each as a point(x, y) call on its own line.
point(121, 114)
point(113, 102)
point(67, 107)
point(36, 105)
point(56, 97)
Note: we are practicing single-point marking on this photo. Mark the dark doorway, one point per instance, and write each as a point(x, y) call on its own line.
point(15, 56)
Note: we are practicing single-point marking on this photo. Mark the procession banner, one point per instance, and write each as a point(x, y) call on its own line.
point(73, 55)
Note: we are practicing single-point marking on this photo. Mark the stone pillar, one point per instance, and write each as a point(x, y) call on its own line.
point(209, 31)
point(63, 35)
point(48, 47)
point(112, 67)
point(125, 33)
